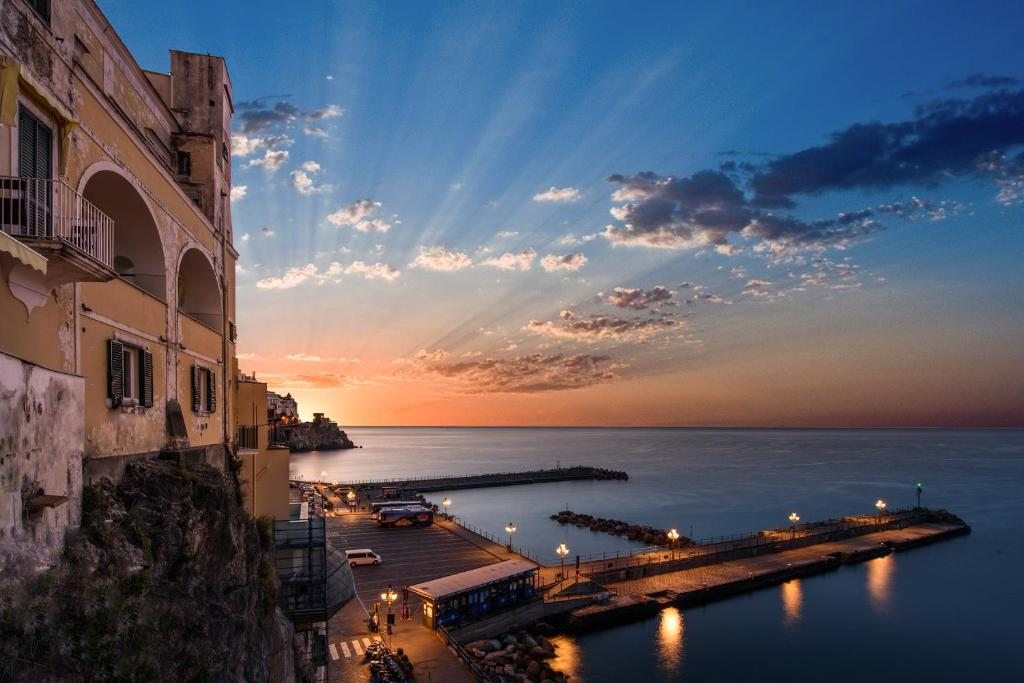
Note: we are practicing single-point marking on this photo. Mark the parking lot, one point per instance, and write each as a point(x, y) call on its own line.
point(410, 555)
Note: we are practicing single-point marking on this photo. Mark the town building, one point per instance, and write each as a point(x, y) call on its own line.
point(117, 270)
point(264, 465)
point(282, 409)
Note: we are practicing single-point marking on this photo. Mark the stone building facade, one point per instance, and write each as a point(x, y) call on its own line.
point(117, 270)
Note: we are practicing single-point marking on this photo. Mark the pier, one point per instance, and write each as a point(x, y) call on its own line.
point(479, 481)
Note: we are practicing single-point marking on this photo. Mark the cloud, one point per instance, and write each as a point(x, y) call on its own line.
point(506, 233)
point(602, 328)
point(570, 239)
point(302, 180)
point(267, 232)
point(558, 194)
point(945, 139)
point(357, 216)
point(246, 237)
point(522, 260)
point(315, 132)
point(312, 358)
point(978, 80)
point(316, 380)
point(247, 356)
point(299, 275)
point(238, 192)
point(640, 299)
point(916, 208)
point(441, 259)
point(293, 277)
point(256, 115)
point(569, 262)
point(1011, 190)
point(271, 160)
point(243, 145)
point(532, 373)
point(373, 271)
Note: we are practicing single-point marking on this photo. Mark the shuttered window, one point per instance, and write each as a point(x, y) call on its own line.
point(204, 390)
point(129, 375)
point(35, 145)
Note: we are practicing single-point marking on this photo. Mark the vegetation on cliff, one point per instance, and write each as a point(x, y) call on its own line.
point(167, 579)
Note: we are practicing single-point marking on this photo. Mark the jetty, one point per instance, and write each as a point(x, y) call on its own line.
point(412, 485)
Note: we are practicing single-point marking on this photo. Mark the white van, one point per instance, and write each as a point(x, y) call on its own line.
point(362, 556)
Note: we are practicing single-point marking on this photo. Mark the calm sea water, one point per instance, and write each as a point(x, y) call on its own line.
point(947, 612)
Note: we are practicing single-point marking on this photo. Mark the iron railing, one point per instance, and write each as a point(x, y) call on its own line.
point(51, 209)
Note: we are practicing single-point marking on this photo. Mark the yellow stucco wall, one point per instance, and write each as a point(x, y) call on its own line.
point(264, 479)
point(47, 337)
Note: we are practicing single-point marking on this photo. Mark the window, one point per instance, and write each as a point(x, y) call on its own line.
point(129, 375)
point(184, 164)
point(42, 8)
point(204, 390)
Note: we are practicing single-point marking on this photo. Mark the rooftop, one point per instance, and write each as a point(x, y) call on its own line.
point(463, 581)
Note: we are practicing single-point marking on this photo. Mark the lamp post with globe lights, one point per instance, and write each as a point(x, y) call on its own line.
point(793, 519)
point(511, 529)
point(880, 506)
point(562, 551)
point(446, 503)
point(389, 596)
point(673, 536)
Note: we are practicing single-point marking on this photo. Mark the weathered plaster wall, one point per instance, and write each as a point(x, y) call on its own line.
point(41, 434)
point(47, 338)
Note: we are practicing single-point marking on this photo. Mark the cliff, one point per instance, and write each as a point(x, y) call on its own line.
point(319, 435)
point(168, 579)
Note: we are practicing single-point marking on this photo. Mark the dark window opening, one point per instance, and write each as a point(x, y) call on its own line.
point(42, 8)
point(184, 164)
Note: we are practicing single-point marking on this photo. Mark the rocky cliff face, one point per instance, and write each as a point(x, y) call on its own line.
point(316, 436)
point(167, 579)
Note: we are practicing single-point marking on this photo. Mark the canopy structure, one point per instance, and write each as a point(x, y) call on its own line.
point(474, 578)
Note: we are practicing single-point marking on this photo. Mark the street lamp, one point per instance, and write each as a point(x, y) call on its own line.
point(793, 519)
point(920, 487)
point(351, 498)
point(511, 529)
point(562, 551)
point(673, 536)
point(446, 503)
point(389, 596)
point(880, 506)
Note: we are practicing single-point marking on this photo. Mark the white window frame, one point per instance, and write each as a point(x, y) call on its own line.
point(204, 390)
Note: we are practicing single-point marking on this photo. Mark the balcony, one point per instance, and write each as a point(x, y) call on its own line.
point(76, 238)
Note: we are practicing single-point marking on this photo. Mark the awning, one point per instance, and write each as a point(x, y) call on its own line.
point(28, 256)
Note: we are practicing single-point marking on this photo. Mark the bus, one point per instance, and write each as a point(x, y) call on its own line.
point(375, 508)
point(412, 515)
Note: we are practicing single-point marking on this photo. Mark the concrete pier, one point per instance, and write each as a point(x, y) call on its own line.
point(478, 481)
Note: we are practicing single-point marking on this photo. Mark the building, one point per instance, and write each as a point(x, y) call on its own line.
point(455, 601)
point(116, 263)
point(282, 409)
point(264, 466)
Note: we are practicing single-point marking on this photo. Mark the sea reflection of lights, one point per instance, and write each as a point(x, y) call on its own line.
point(792, 601)
point(567, 657)
point(880, 582)
point(670, 640)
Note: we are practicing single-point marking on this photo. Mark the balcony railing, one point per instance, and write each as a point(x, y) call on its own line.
point(51, 209)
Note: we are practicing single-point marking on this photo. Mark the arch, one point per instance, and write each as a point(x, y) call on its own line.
point(138, 251)
point(199, 290)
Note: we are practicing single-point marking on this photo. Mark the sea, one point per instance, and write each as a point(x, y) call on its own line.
point(952, 611)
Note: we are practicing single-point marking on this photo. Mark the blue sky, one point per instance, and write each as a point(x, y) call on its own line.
point(432, 132)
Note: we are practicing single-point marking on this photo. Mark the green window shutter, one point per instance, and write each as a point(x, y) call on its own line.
point(195, 389)
point(211, 390)
point(147, 379)
point(115, 372)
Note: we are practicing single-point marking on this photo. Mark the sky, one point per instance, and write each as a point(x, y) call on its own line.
point(587, 213)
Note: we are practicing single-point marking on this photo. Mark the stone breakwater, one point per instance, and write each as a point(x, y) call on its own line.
point(520, 656)
point(617, 527)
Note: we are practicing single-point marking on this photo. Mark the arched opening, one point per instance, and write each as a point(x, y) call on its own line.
point(198, 292)
point(138, 256)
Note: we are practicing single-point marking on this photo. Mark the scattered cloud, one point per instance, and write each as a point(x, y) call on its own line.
point(558, 194)
point(504, 234)
point(310, 273)
point(257, 115)
point(569, 262)
point(302, 179)
point(522, 260)
point(441, 259)
point(312, 358)
point(243, 145)
point(238, 192)
point(246, 237)
point(267, 232)
point(641, 299)
point(293, 277)
point(315, 132)
point(979, 80)
point(602, 328)
point(313, 380)
point(271, 160)
point(357, 216)
point(373, 271)
point(532, 373)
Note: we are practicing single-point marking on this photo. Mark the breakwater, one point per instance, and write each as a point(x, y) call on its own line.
point(616, 527)
point(477, 481)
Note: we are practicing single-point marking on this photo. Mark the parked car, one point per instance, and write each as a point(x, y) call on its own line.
point(362, 556)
